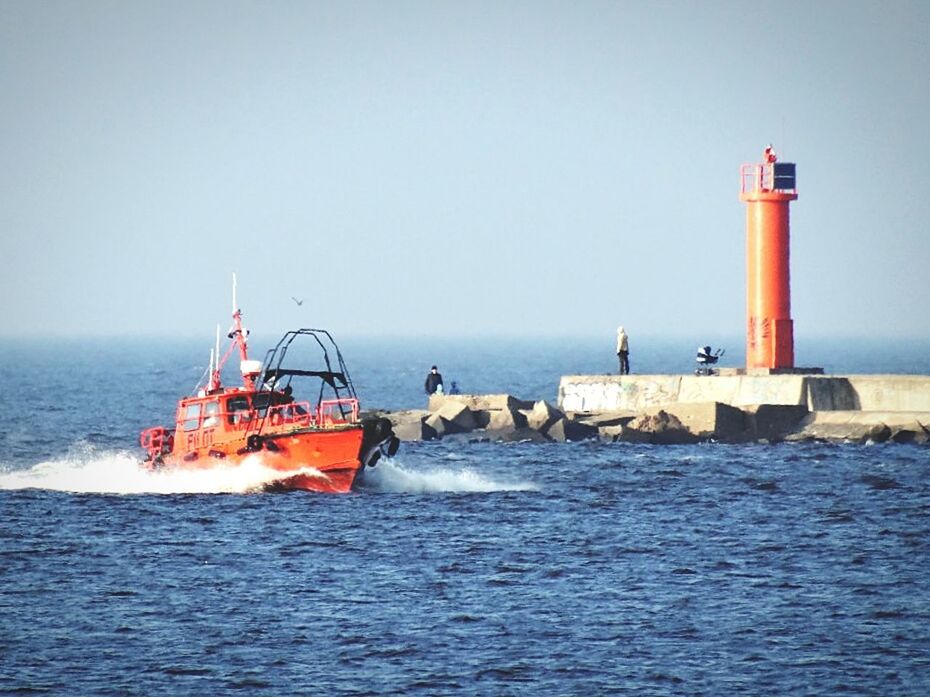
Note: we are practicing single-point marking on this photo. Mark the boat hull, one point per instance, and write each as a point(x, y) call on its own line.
point(327, 461)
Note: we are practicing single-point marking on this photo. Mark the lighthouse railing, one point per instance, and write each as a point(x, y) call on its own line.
point(762, 176)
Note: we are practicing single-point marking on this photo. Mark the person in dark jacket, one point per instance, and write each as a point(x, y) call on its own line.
point(433, 384)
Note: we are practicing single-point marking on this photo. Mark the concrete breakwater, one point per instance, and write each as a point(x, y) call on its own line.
point(686, 409)
point(866, 393)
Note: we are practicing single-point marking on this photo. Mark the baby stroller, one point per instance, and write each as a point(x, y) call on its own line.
point(706, 358)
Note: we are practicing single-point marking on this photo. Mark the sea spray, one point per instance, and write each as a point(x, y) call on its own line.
point(87, 470)
point(391, 476)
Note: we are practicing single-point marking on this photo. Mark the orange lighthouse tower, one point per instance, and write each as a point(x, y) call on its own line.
point(767, 188)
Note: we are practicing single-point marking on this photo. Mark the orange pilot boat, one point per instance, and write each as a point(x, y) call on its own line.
point(319, 444)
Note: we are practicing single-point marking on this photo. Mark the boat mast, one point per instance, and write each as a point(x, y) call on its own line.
point(215, 364)
point(238, 334)
point(239, 337)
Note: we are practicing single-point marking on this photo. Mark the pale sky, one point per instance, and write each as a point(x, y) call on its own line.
point(438, 168)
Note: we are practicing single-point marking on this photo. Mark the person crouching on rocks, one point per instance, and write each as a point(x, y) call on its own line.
point(433, 384)
point(623, 351)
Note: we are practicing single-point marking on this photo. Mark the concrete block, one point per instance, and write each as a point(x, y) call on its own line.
point(434, 427)
point(608, 418)
point(589, 392)
point(643, 391)
point(505, 420)
point(558, 431)
point(906, 426)
point(519, 435)
point(410, 431)
point(771, 389)
point(578, 431)
point(634, 435)
point(543, 415)
point(408, 425)
point(610, 433)
point(892, 392)
point(896, 419)
point(913, 432)
point(709, 388)
point(564, 430)
point(773, 422)
point(660, 428)
point(617, 392)
point(457, 417)
point(479, 402)
point(885, 393)
point(709, 420)
point(830, 393)
point(482, 417)
point(856, 426)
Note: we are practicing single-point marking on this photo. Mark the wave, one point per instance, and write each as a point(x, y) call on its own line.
point(391, 476)
point(86, 470)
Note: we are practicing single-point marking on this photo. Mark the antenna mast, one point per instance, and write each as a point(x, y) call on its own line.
point(239, 339)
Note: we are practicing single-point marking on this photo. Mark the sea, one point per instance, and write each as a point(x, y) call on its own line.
point(458, 566)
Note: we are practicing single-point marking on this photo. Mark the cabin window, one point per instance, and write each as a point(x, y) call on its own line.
point(260, 402)
point(210, 411)
point(234, 406)
point(192, 417)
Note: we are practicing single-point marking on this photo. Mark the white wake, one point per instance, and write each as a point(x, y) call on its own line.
point(391, 476)
point(86, 470)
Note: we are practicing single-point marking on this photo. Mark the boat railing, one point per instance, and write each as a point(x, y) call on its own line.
point(157, 440)
point(292, 414)
point(333, 412)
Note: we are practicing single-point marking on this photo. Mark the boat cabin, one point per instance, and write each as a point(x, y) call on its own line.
point(229, 417)
point(220, 421)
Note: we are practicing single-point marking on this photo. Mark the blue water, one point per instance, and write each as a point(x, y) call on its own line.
point(459, 567)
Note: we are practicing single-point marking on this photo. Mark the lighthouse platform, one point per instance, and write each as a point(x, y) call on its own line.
point(833, 407)
point(814, 392)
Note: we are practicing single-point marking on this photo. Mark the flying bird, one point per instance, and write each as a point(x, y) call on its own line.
point(299, 302)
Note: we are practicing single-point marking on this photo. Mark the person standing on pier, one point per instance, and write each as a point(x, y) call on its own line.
point(433, 384)
point(623, 351)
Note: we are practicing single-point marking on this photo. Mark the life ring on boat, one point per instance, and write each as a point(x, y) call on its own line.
point(254, 442)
